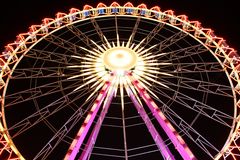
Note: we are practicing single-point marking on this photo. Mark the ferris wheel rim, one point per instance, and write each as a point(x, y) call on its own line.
point(63, 16)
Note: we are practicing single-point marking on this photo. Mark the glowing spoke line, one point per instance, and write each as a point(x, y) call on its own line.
point(117, 35)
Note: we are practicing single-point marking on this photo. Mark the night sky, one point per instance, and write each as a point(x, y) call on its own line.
point(220, 15)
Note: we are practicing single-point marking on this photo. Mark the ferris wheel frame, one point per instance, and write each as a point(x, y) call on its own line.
point(226, 56)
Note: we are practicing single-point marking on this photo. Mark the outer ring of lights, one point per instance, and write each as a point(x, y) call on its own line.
point(226, 56)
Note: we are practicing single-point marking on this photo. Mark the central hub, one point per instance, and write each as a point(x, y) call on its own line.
point(120, 59)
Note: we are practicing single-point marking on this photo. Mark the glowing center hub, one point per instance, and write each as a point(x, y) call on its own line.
point(119, 59)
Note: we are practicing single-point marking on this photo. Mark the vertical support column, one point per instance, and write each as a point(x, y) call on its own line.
point(166, 153)
point(92, 139)
point(77, 142)
point(176, 139)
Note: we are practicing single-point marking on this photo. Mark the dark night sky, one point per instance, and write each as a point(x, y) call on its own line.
point(220, 15)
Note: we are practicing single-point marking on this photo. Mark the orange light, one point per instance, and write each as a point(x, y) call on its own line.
point(101, 5)
point(74, 10)
point(128, 4)
point(142, 6)
point(60, 15)
point(156, 8)
point(87, 7)
point(114, 4)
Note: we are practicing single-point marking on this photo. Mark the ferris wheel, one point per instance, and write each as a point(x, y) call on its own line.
point(119, 82)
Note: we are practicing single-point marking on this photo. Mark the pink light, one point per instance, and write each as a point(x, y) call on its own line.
point(180, 145)
point(77, 142)
point(91, 140)
point(157, 138)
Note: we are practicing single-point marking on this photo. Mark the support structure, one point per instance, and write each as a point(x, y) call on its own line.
point(176, 139)
point(107, 93)
point(77, 142)
point(166, 153)
point(92, 139)
point(94, 69)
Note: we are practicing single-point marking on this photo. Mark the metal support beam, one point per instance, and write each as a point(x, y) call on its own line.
point(92, 139)
point(77, 142)
point(166, 153)
point(176, 139)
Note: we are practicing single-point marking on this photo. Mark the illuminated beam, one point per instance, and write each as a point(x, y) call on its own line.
point(166, 153)
point(77, 142)
point(176, 139)
point(92, 139)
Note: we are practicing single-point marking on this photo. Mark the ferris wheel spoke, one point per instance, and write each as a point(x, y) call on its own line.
point(153, 33)
point(198, 69)
point(204, 86)
point(54, 131)
point(47, 85)
point(134, 31)
point(43, 67)
point(46, 59)
point(43, 72)
point(54, 54)
point(167, 42)
point(192, 67)
point(116, 28)
point(124, 133)
point(201, 86)
point(81, 36)
point(199, 107)
point(182, 53)
point(194, 48)
point(35, 93)
point(45, 56)
point(61, 134)
point(188, 130)
point(186, 79)
point(191, 133)
point(40, 73)
point(62, 43)
point(186, 68)
point(99, 31)
point(43, 114)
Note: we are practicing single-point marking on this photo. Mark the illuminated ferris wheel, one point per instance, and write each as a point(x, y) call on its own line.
point(119, 82)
